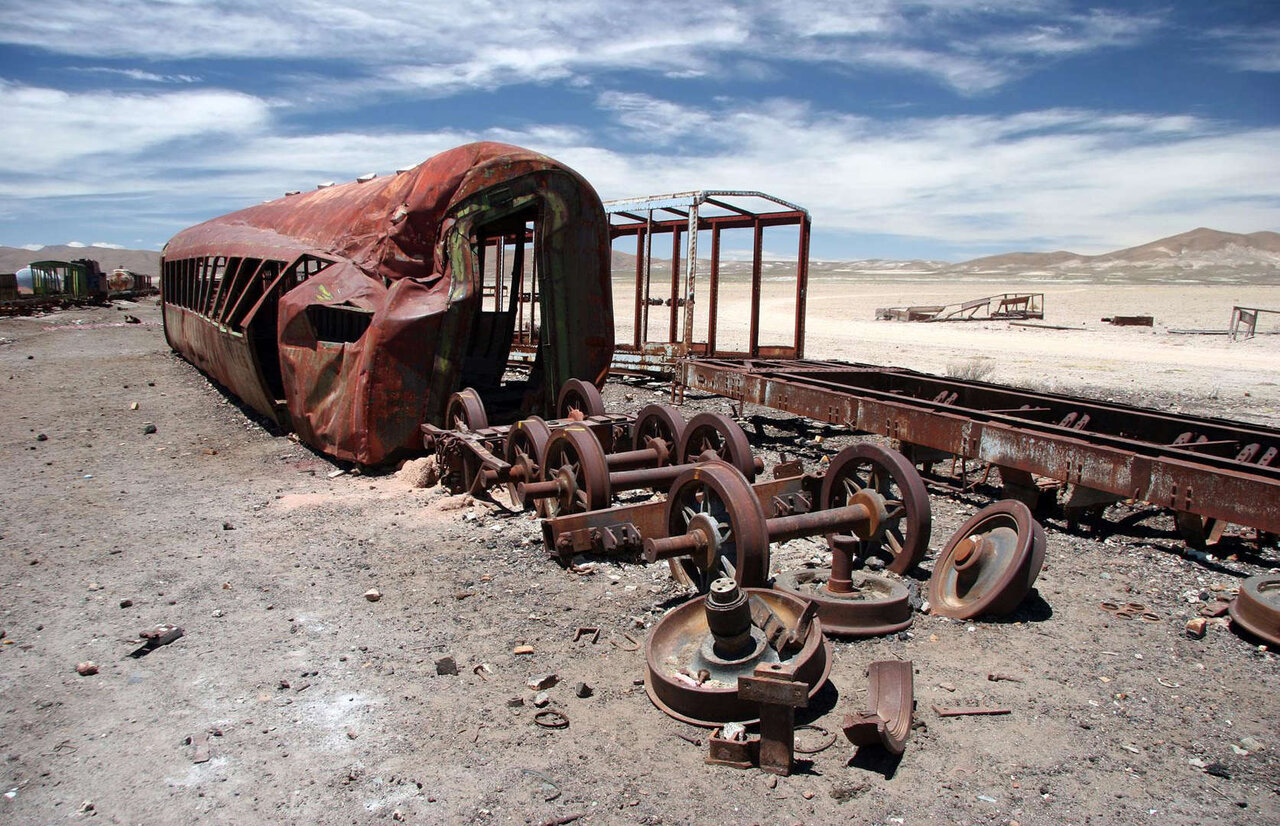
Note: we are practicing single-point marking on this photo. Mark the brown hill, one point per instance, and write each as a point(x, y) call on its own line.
point(144, 262)
point(1210, 245)
point(1199, 240)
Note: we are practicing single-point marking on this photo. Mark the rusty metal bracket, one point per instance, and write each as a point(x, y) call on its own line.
point(777, 691)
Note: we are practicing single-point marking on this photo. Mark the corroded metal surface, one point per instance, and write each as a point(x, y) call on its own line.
point(989, 564)
point(1256, 608)
point(690, 679)
point(890, 703)
point(1215, 468)
point(352, 312)
point(901, 538)
point(872, 606)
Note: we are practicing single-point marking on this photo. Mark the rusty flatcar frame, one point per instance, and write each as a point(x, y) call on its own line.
point(682, 216)
point(1006, 306)
point(351, 313)
point(1244, 321)
point(1202, 468)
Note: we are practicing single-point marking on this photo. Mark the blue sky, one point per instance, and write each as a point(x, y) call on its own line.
point(935, 129)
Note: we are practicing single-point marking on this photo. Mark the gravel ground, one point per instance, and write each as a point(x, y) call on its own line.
point(293, 698)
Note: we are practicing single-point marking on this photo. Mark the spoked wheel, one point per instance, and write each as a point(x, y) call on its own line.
point(579, 399)
point(525, 448)
point(990, 564)
point(902, 538)
point(575, 460)
point(662, 422)
point(716, 500)
point(720, 435)
point(465, 411)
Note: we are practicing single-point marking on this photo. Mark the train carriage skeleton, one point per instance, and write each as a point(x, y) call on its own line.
point(351, 313)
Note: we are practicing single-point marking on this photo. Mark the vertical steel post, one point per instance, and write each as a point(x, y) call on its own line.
point(674, 324)
point(802, 285)
point(714, 290)
point(636, 335)
point(757, 252)
point(691, 276)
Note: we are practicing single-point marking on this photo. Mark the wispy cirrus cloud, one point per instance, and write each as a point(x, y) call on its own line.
point(44, 129)
point(443, 49)
point(1067, 177)
point(1248, 50)
point(139, 75)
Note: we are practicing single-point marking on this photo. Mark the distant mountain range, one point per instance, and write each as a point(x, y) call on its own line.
point(1198, 249)
point(144, 262)
point(1199, 255)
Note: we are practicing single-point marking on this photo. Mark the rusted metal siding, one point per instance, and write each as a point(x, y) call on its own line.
point(398, 253)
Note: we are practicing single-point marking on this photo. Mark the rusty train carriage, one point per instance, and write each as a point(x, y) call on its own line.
point(351, 313)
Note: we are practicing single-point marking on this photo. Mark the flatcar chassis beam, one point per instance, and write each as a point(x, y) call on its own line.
point(1120, 462)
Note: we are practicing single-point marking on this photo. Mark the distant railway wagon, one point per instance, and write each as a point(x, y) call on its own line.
point(81, 278)
point(351, 313)
point(126, 281)
point(8, 286)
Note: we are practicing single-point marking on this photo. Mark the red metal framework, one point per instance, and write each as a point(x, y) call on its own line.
point(351, 313)
point(683, 216)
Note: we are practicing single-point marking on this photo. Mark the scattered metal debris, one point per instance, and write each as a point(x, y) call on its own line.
point(890, 702)
point(1003, 307)
point(156, 637)
point(969, 711)
point(1244, 321)
point(774, 688)
point(1130, 321)
point(551, 718)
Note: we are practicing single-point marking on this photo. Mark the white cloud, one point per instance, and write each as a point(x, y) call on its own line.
point(139, 75)
point(1072, 178)
point(1248, 50)
point(1075, 33)
point(444, 48)
point(44, 128)
point(1093, 180)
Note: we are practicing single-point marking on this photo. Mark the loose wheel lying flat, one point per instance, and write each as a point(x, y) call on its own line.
point(717, 434)
point(674, 649)
point(902, 538)
point(579, 399)
point(575, 459)
point(715, 498)
point(524, 451)
point(465, 411)
point(990, 564)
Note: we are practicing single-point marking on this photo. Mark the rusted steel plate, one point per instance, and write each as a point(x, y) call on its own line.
point(1213, 467)
point(369, 316)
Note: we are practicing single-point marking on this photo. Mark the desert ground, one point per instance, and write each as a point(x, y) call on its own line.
point(292, 698)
